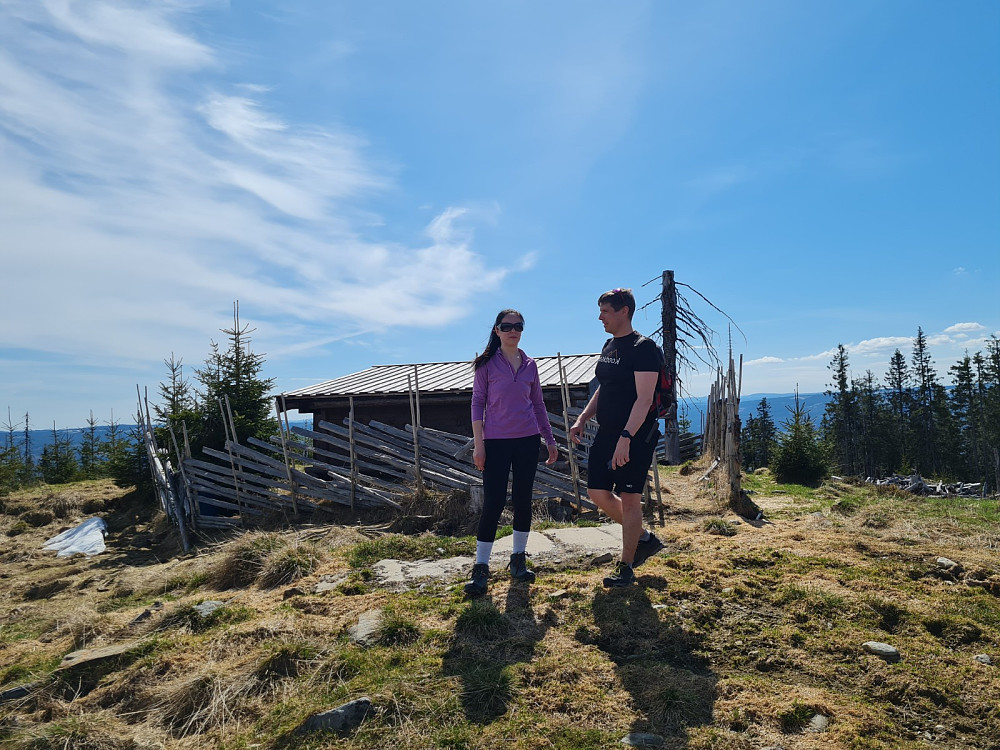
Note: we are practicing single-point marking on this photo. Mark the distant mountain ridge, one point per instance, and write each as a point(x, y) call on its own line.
point(693, 406)
point(781, 404)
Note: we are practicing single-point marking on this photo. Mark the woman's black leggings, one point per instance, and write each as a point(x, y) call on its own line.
point(502, 456)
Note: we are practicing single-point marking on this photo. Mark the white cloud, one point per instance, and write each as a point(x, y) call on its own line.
point(879, 345)
point(964, 328)
point(763, 361)
point(139, 198)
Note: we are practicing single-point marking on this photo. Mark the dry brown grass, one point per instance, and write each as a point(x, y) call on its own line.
point(728, 642)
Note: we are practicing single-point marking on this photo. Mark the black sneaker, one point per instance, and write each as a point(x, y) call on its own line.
point(480, 576)
point(519, 568)
point(621, 578)
point(645, 550)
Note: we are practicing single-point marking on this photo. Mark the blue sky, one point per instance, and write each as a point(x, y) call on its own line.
point(373, 181)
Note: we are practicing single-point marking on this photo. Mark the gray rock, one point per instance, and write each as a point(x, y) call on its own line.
point(602, 559)
point(328, 584)
point(558, 594)
point(206, 608)
point(945, 564)
point(983, 659)
point(94, 655)
point(366, 630)
point(882, 650)
point(340, 719)
point(818, 723)
point(642, 739)
point(294, 591)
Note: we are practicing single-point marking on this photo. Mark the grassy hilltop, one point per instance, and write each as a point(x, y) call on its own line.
point(732, 640)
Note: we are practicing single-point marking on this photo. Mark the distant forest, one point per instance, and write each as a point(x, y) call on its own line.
point(908, 421)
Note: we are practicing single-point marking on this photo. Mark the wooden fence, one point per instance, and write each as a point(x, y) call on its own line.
point(353, 465)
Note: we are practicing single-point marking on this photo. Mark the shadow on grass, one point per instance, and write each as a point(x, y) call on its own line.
point(485, 646)
point(657, 660)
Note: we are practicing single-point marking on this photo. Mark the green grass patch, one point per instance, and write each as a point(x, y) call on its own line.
point(401, 547)
point(482, 620)
point(719, 526)
point(795, 718)
point(190, 618)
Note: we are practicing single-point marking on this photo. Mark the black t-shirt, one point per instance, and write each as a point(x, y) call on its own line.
point(620, 359)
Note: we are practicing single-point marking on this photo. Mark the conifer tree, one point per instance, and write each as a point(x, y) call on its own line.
point(799, 457)
point(91, 460)
point(924, 411)
point(11, 461)
point(179, 409)
point(30, 472)
point(58, 463)
point(759, 438)
point(235, 373)
point(840, 421)
point(897, 383)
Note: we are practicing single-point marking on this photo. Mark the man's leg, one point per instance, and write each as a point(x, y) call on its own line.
point(631, 506)
point(625, 510)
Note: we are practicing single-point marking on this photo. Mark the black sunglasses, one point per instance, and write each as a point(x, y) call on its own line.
point(508, 327)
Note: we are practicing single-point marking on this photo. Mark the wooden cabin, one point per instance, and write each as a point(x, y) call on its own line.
point(382, 392)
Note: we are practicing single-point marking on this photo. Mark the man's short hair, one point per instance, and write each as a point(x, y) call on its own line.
point(619, 298)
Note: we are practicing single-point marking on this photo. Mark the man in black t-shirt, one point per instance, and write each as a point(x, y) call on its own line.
point(623, 449)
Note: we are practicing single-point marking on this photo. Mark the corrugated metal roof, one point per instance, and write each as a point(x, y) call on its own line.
point(441, 377)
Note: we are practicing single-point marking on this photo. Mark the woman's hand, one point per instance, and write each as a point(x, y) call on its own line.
point(553, 455)
point(479, 455)
point(575, 432)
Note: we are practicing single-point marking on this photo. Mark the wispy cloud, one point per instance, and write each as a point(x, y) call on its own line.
point(139, 187)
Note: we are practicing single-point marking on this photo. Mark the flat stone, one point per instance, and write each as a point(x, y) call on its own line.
point(642, 739)
point(602, 559)
point(882, 650)
point(538, 544)
point(206, 608)
point(403, 574)
point(340, 719)
point(365, 631)
point(983, 659)
point(945, 564)
point(558, 594)
point(93, 655)
point(328, 584)
point(597, 539)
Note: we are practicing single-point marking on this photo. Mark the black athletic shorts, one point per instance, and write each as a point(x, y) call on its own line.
point(628, 478)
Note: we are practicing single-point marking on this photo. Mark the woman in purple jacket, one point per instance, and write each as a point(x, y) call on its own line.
point(508, 418)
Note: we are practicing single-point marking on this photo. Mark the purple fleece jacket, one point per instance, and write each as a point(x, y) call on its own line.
point(510, 404)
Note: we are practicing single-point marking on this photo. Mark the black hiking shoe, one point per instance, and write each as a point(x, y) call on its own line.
point(480, 576)
point(645, 550)
point(519, 568)
point(622, 577)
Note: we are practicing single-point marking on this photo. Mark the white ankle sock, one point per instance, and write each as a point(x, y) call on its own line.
point(483, 550)
point(520, 541)
point(644, 536)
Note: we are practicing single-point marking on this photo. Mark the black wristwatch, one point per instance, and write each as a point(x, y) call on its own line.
point(626, 434)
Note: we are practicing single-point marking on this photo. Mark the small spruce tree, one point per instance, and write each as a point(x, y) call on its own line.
point(799, 457)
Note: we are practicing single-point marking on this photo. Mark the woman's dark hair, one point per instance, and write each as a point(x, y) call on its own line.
point(494, 343)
